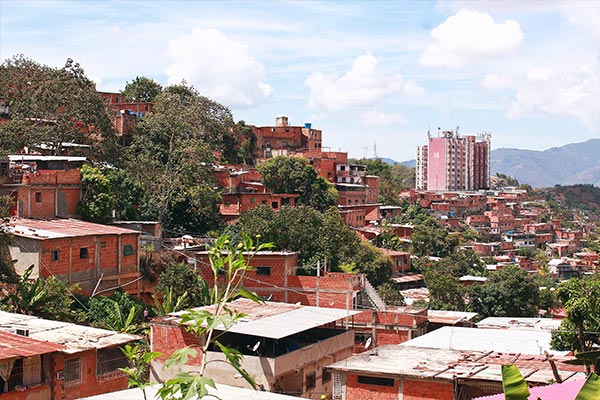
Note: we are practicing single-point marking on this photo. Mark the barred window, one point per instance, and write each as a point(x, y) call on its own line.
point(73, 370)
point(109, 360)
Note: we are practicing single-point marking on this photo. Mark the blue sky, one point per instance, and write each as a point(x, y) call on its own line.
point(369, 74)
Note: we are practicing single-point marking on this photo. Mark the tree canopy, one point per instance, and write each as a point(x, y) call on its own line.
point(393, 178)
point(142, 89)
point(53, 106)
point(295, 175)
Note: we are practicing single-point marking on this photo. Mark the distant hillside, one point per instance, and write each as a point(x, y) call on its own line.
point(410, 163)
point(585, 197)
point(576, 163)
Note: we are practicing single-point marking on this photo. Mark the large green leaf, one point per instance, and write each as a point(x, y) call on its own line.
point(591, 389)
point(515, 387)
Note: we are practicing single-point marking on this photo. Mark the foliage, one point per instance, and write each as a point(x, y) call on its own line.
point(513, 384)
point(231, 262)
point(389, 293)
point(315, 235)
point(581, 300)
point(7, 269)
point(392, 178)
point(43, 297)
point(175, 146)
point(179, 278)
point(139, 361)
point(130, 194)
point(169, 303)
point(97, 199)
point(445, 290)
point(141, 89)
point(239, 145)
point(432, 240)
point(53, 106)
point(119, 312)
point(369, 260)
point(295, 175)
point(510, 292)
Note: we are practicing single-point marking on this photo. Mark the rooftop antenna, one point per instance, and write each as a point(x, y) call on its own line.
point(374, 149)
point(457, 129)
point(428, 132)
point(365, 151)
point(439, 129)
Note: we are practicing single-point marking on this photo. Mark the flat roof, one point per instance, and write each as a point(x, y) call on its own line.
point(37, 157)
point(275, 320)
point(223, 392)
point(405, 278)
point(74, 338)
point(449, 317)
point(519, 323)
point(397, 361)
point(61, 228)
point(13, 345)
point(474, 339)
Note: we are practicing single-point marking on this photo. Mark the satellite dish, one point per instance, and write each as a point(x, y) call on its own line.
point(256, 346)
point(368, 343)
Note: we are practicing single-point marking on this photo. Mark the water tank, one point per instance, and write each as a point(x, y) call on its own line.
point(307, 125)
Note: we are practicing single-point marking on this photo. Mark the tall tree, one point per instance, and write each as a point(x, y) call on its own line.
point(510, 292)
point(581, 299)
point(53, 106)
point(97, 199)
point(294, 175)
point(175, 148)
point(142, 89)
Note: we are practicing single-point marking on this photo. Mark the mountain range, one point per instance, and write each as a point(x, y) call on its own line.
point(565, 165)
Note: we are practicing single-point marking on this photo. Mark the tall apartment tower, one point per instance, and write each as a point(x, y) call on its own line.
point(453, 162)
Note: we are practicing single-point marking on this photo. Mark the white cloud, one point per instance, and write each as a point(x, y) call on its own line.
point(574, 94)
point(469, 36)
point(219, 67)
point(364, 84)
point(539, 74)
point(382, 118)
point(496, 81)
point(411, 88)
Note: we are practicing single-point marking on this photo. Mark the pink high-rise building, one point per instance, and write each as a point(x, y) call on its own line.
point(454, 162)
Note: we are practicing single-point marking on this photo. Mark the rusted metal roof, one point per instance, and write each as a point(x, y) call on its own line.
point(61, 228)
point(13, 345)
point(72, 337)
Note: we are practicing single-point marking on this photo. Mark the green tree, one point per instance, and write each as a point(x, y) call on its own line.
point(142, 89)
point(179, 279)
point(7, 269)
point(392, 178)
point(97, 199)
point(389, 293)
point(295, 175)
point(369, 260)
point(445, 290)
point(510, 292)
point(53, 106)
point(581, 300)
point(432, 240)
point(175, 148)
point(43, 297)
point(130, 195)
point(119, 312)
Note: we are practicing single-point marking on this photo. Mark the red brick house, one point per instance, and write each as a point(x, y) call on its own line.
point(53, 360)
point(285, 346)
point(42, 186)
point(93, 256)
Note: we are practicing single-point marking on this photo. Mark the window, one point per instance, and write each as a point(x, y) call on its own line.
point(311, 381)
point(38, 197)
point(102, 245)
point(83, 252)
point(128, 250)
point(326, 376)
point(342, 167)
point(55, 254)
point(73, 370)
point(109, 360)
point(265, 271)
point(274, 205)
point(373, 380)
point(252, 200)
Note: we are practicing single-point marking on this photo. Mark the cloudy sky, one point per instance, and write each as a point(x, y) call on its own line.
point(374, 76)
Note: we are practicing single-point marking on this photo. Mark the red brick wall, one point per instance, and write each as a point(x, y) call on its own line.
point(166, 339)
point(415, 389)
point(90, 384)
point(361, 391)
point(49, 184)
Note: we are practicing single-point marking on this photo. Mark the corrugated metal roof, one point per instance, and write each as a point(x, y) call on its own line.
point(73, 337)
point(277, 320)
point(37, 157)
point(543, 324)
point(13, 345)
point(61, 228)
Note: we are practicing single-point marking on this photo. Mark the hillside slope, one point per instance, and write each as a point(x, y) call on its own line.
point(574, 163)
